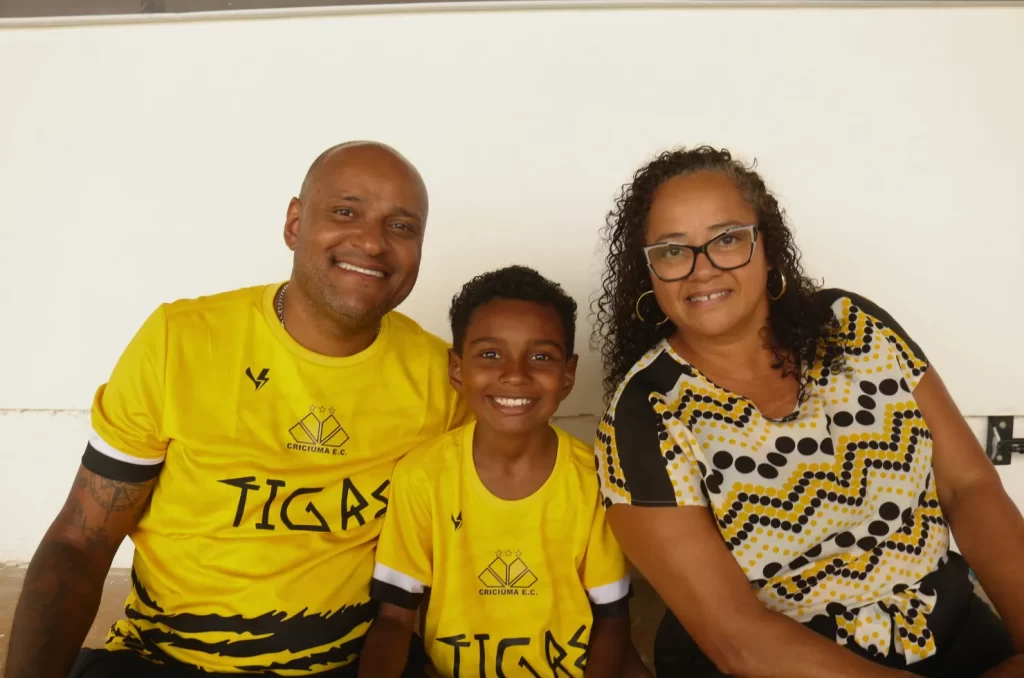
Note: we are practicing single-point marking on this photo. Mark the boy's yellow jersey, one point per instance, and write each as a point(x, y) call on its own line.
point(513, 585)
point(274, 468)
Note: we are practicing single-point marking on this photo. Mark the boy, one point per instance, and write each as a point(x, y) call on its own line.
point(501, 521)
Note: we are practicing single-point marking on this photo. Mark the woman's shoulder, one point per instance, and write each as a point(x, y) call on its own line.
point(658, 371)
point(848, 306)
point(869, 329)
point(845, 304)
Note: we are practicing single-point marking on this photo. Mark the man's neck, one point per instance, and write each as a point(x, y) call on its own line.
point(321, 334)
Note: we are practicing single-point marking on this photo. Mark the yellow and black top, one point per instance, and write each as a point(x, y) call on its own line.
point(274, 466)
point(513, 585)
point(832, 511)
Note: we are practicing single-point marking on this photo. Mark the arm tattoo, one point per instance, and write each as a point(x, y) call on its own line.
point(64, 582)
point(114, 495)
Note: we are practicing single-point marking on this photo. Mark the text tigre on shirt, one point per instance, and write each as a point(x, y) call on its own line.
point(274, 465)
point(513, 585)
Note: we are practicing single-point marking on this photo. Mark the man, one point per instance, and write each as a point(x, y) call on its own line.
point(245, 442)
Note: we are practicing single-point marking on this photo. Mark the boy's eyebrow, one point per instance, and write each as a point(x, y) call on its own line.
point(548, 342)
point(542, 342)
point(483, 340)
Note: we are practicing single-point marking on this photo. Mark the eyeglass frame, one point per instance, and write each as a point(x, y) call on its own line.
point(703, 249)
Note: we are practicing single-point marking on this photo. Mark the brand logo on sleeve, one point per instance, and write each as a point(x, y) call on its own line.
point(260, 381)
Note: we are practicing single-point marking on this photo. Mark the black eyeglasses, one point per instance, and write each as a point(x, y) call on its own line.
point(726, 251)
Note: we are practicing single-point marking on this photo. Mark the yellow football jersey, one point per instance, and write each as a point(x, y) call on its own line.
point(274, 468)
point(513, 585)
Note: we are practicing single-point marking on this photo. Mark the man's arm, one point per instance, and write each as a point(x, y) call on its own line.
point(64, 581)
point(386, 649)
point(609, 640)
point(635, 667)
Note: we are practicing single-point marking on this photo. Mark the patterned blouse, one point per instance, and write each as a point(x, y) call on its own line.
point(832, 511)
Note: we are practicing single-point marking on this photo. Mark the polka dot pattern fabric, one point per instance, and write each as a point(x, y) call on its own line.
point(830, 511)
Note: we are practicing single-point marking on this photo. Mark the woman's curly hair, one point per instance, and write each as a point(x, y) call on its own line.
point(800, 330)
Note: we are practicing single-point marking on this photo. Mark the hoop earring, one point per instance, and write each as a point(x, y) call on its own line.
point(782, 291)
point(640, 315)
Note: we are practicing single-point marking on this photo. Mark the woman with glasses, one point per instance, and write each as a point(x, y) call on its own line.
point(781, 462)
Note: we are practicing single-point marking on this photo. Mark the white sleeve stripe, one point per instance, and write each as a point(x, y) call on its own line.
point(395, 578)
point(609, 593)
point(108, 450)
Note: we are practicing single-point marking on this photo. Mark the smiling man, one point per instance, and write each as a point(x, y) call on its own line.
point(245, 442)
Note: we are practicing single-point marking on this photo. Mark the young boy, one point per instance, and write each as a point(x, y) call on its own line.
point(501, 522)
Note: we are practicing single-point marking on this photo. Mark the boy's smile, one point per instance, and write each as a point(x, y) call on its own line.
point(514, 371)
point(513, 406)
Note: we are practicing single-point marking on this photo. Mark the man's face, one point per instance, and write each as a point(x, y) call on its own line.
point(357, 233)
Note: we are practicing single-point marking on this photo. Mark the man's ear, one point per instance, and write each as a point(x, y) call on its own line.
point(455, 370)
point(570, 375)
point(293, 223)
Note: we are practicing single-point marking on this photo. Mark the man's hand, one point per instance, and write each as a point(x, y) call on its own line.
point(609, 644)
point(386, 649)
point(635, 667)
point(64, 581)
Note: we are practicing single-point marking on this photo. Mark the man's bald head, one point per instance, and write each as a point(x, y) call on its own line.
point(357, 231)
point(356, 151)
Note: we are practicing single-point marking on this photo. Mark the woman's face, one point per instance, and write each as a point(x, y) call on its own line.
point(692, 209)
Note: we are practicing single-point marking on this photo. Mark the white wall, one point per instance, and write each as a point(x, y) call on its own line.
point(147, 162)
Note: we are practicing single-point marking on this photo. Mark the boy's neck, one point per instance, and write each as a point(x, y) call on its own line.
point(514, 466)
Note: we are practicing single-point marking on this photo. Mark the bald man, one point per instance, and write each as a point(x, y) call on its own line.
point(245, 442)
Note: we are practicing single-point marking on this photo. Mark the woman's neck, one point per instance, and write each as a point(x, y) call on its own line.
point(514, 465)
point(743, 364)
point(744, 356)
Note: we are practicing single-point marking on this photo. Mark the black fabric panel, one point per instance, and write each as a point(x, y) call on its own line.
point(618, 608)
point(120, 664)
point(395, 595)
point(115, 469)
point(636, 434)
point(268, 633)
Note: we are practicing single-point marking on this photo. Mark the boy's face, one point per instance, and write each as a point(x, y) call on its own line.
point(513, 371)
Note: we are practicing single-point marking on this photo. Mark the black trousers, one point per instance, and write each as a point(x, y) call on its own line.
point(979, 642)
point(128, 664)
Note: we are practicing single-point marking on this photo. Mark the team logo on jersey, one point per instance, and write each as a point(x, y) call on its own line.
point(319, 432)
point(457, 521)
point(508, 575)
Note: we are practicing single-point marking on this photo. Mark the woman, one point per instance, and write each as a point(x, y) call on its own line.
point(782, 463)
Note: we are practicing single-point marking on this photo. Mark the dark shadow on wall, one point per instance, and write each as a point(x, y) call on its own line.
point(23, 9)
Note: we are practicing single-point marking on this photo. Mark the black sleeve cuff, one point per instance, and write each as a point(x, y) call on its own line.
point(114, 469)
point(389, 593)
point(617, 608)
